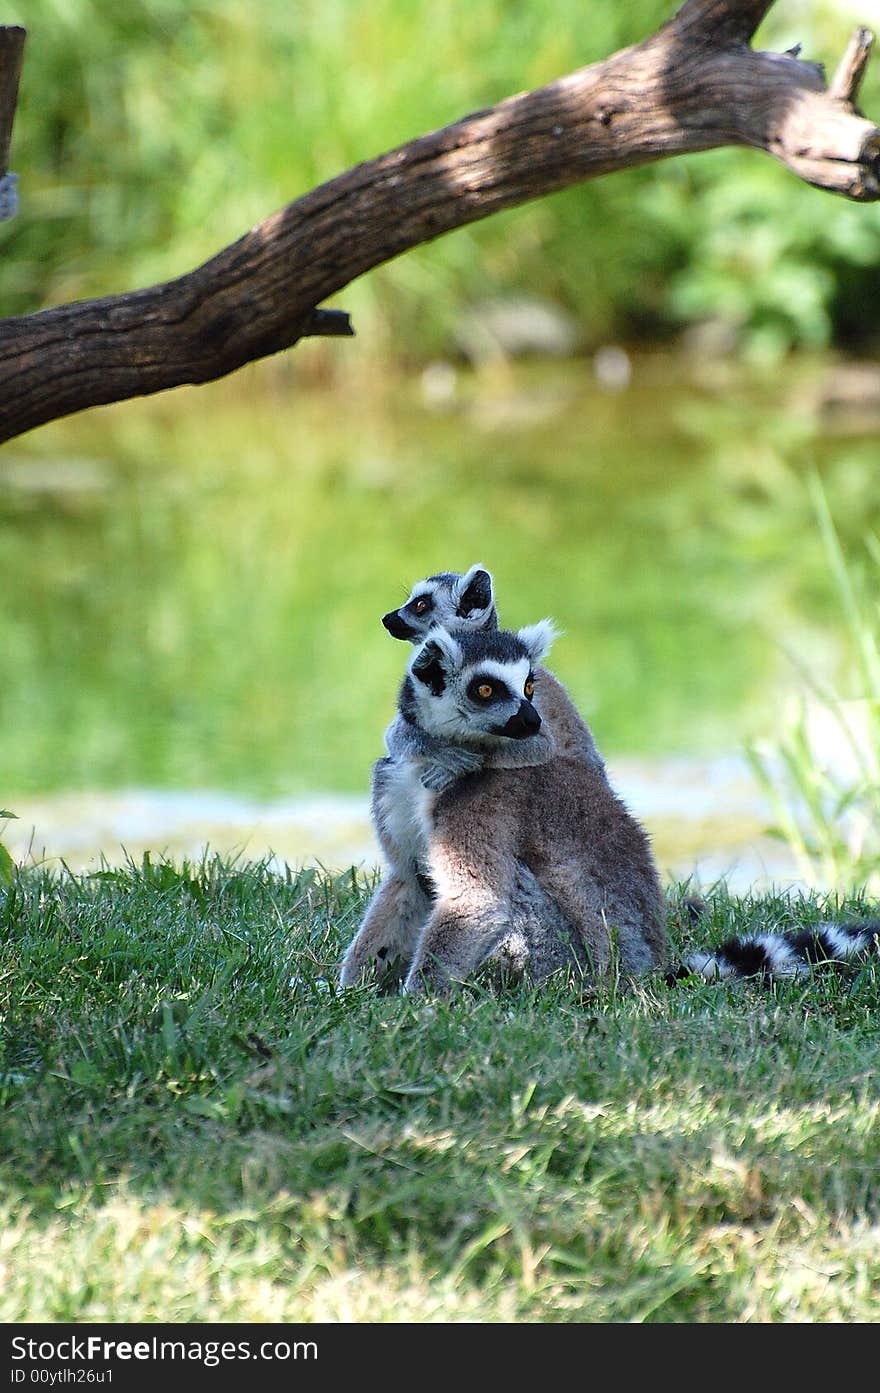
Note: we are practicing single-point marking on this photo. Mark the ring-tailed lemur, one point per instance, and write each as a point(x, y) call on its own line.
point(531, 866)
point(528, 867)
point(467, 603)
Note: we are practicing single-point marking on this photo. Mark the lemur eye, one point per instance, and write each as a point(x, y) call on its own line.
point(529, 688)
point(421, 605)
point(485, 690)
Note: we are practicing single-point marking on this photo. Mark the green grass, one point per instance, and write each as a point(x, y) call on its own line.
point(188, 1136)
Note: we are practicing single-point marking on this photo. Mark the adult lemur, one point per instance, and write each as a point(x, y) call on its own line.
point(529, 865)
point(415, 756)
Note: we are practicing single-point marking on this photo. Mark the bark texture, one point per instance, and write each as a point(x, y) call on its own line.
point(694, 85)
point(11, 54)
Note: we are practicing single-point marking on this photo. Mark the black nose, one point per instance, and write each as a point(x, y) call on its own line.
point(526, 722)
point(397, 627)
point(529, 717)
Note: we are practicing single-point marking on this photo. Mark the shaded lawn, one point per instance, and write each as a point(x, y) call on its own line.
point(197, 1127)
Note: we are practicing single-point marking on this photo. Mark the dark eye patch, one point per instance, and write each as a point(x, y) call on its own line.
point(422, 604)
point(498, 690)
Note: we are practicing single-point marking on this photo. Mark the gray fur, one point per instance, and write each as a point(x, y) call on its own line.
point(384, 945)
point(442, 763)
point(404, 786)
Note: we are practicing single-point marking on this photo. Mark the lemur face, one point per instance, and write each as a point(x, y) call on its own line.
point(452, 601)
point(476, 688)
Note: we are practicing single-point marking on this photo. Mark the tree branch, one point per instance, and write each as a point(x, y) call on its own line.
point(692, 86)
point(724, 21)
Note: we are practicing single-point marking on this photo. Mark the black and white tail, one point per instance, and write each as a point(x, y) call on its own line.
point(780, 957)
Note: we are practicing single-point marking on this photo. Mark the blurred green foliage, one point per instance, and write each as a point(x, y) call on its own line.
point(192, 583)
point(822, 773)
point(152, 133)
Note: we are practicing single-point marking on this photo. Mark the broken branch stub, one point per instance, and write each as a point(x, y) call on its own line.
point(848, 78)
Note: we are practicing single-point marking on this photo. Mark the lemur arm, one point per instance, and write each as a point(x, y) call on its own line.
point(443, 762)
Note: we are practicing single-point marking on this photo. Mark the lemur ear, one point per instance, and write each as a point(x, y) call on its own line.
point(538, 638)
point(473, 591)
point(434, 660)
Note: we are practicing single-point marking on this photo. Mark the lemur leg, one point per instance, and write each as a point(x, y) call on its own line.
point(453, 943)
point(469, 919)
point(582, 904)
point(541, 938)
point(383, 947)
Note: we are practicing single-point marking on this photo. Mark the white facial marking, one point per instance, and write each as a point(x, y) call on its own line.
point(513, 675)
point(423, 587)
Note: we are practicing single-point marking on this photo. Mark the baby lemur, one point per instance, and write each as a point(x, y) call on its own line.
point(467, 603)
point(526, 865)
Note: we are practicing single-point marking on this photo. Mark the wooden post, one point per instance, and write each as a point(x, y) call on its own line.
point(12, 38)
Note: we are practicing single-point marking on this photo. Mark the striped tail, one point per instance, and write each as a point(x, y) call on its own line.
point(779, 957)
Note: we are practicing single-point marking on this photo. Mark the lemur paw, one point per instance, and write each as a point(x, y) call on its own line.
point(435, 777)
point(422, 982)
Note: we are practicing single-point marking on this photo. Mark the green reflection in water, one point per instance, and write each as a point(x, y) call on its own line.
point(192, 585)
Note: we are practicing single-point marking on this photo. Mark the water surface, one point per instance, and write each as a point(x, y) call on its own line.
point(192, 584)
